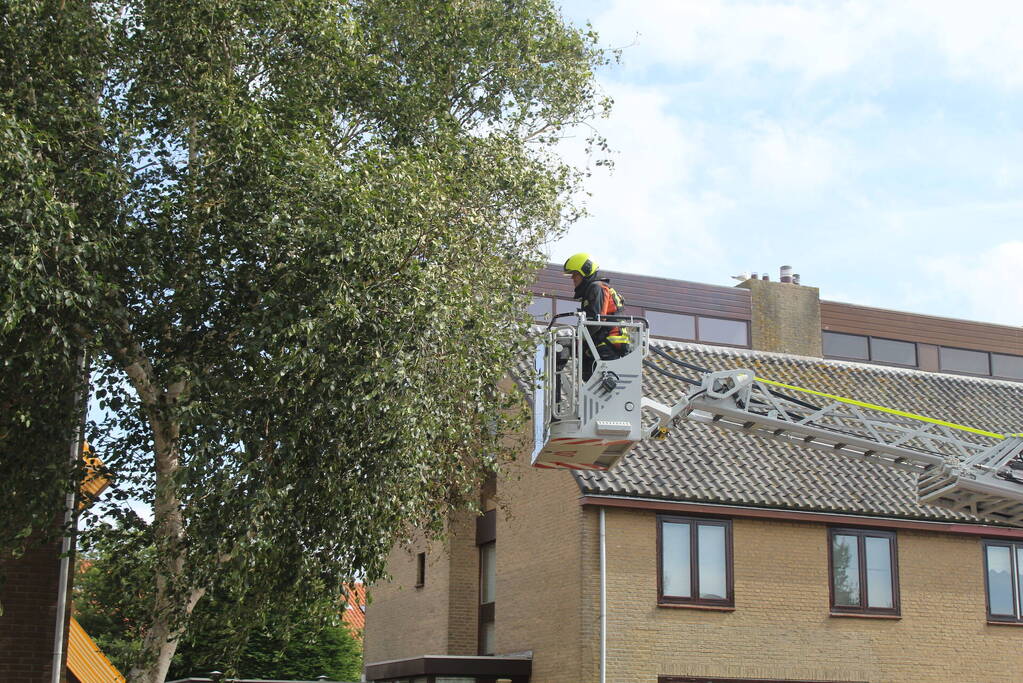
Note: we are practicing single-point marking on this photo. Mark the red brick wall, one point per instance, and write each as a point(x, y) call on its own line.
point(29, 599)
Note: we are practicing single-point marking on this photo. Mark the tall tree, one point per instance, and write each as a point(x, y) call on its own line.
point(294, 237)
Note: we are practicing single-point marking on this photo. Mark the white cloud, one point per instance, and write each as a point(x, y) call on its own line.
point(988, 282)
point(645, 211)
point(819, 39)
point(785, 159)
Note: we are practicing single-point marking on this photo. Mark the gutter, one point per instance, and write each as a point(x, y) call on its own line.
point(60, 631)
point(736, 510)
point(603, 599)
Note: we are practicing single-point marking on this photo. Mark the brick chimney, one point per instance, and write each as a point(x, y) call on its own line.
point(786, 316)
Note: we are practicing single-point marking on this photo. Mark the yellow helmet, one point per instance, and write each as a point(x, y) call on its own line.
point(583, 264)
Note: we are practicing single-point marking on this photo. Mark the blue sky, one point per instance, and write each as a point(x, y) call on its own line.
point(876, 147)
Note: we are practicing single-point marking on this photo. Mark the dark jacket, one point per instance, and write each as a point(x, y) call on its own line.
point(595, 297)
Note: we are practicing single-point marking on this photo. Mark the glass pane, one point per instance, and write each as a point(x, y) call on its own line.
point(672, 325)
point(879, 572)
point(1019, 580)
point(890, 351)
point(710, 553)
point(540, 306)
point(1007, 366)
point(999, 580)
point(961, 360)
point(675, 569)
point(488, 572)
point(487, 644)
point(845, 558)
point(562, 306)
point(719, 331)
point(845, 345)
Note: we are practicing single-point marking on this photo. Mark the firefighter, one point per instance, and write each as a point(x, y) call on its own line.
point(598, 300)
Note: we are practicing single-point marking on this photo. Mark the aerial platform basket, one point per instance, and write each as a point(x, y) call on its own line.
point(591, 408)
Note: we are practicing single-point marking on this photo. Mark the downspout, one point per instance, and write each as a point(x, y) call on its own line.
point(603, 600)
point(60, 630)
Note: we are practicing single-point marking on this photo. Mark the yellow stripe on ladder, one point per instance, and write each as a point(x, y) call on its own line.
point(890, 411)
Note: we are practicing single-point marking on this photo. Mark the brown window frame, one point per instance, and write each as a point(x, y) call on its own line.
point(647, 311)
point(486, 609)
point(420, 570)
point(863, 609)
point(746, 324)
point(1016, 587)
point(870, 350)
point(486, 535)
point(964, 372)
point(728, 602)
point(715, 679)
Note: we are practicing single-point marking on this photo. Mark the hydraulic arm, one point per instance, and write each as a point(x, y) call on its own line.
point(594, 412)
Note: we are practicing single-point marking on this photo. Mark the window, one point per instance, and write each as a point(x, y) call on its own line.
point(706, 679)
point(864, 572)
point(1003, 571)
point(875, 349)
point(845, 346)
point(961, 360)
point(695, 561)
point(562, 306)
point(891, 351)
point(1007, 366)
point(420, 570)
point(488, 587)
point(672, 325)
point(486, 541)
point(540, 307)
point(720, 331)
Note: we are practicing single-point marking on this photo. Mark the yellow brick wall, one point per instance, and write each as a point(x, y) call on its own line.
point(539, 557)
point(463, 583)
point(405, 621)
point(539, 567)
point(781, 628)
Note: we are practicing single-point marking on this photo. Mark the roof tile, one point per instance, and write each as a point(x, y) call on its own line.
point(700, 464)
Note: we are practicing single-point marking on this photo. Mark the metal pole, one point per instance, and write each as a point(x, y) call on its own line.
point(77, 443)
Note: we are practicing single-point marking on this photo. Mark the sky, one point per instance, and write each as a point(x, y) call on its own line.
point(876, 147)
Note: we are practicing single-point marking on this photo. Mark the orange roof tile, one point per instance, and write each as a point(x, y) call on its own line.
point(86, 661)
point(354, 615)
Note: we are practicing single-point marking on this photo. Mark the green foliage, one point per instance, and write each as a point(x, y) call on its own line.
point(295, 239)
point(113, 596)
point(113, 599)
point(297, 643)
point(56, 182)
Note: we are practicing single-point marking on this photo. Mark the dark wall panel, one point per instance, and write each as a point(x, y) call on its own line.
point(673, 296)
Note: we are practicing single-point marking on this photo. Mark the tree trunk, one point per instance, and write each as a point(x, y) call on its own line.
point(174, 602)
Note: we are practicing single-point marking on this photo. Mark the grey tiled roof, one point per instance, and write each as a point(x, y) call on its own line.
point(698, 463)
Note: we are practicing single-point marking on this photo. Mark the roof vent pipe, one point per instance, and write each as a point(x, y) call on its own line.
point(795, 278)
point(766, 277)
point(786, 274)
point(755, 276)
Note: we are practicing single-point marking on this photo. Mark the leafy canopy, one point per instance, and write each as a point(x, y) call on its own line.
point(293, 239)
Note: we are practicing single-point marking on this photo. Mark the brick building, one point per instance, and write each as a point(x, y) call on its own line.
point(718, 557)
